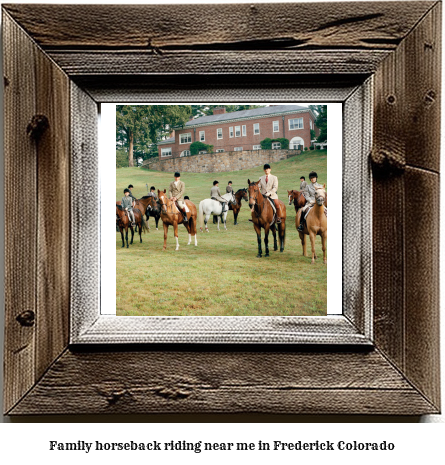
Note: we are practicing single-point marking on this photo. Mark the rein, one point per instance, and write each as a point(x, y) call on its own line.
point(166, 212)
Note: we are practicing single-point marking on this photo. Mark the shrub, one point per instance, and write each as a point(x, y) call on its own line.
point(305, 148)
point(198, 146)
point(266, 144)
point(121, 159)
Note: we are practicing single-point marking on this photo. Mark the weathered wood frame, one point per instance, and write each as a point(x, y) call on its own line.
point(62, 72)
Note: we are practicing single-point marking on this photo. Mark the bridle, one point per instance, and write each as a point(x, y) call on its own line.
point(256, 189)
point(166, 212)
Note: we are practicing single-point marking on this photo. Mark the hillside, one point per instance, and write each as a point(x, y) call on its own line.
point(198, 185)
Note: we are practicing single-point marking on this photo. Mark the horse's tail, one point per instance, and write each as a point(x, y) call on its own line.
point(200, 214)
point(145, 227)
point(282, 236)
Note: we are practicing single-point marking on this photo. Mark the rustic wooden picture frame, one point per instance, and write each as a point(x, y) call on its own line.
point(57, 70)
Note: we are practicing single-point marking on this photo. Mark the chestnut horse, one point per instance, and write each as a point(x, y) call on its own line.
point(263, 217)
point(170, 215)
point(299, 200)
point(123, 222)
point(316, 224)
point(240, 195)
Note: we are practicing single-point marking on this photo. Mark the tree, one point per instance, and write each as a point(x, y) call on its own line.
point(139, 127)
point(321, 121)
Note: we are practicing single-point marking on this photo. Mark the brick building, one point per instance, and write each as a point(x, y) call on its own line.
point(243, 130)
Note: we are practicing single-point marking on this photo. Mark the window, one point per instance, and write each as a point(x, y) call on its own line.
point(231, 132)
point(219, 133)
point(256, 128)
point(220, 150)
point(166, 152)
point(296, 123)
point(202, 135)
point(257, 147)
point(276, 145)
point(238, 149)
point(185, 138)
point(201, 152)
point(185, 153)
point(244, 130)
point(311, 124)
point(237, 131)
point(276, 126)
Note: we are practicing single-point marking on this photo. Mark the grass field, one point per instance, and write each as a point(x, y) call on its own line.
point(222, 276)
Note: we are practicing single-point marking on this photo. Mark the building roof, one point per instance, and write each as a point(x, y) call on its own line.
point(246, 114)
point(170, 140)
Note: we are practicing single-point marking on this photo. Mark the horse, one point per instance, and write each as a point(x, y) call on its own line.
point(153, 210)
point(170, 215)
point(239, 195)
point(263, 217)
point(123, 222)
point(209, 207)
point(316, 224)
point(297, 198)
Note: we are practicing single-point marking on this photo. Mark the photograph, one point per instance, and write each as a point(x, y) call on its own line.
point(221, 210)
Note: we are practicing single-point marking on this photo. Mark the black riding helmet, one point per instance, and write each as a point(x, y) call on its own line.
point(313, 174)
point(126, 190)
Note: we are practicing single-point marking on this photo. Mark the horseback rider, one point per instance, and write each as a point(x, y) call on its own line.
point(130, 188)
point(309, 195)
point(153, 192)
point(215, 194)
point(303, 184)
point(176, 191)
point(269, 186)
point(229, 189)
point(127, 205)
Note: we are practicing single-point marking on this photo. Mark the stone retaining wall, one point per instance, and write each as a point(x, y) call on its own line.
point(220, 162)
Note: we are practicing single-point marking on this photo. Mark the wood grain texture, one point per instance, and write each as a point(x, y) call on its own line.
point(400, 41)
point(53, 213)
point(268, 25)
point(423, 91)
point(422, 364)
point(20, 212)
point(221, 382)
point(216, 62)
point(406, 276)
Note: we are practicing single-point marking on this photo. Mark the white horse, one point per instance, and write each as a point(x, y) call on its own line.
point(209, 207)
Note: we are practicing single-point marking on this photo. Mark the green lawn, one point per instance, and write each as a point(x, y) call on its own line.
point(222, 276)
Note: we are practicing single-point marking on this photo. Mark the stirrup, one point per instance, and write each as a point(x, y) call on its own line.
point(278, 221)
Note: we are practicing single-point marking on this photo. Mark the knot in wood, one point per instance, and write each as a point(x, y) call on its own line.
point(388, 161)
point(26, 318)
point(391, 99)
point(37, 126)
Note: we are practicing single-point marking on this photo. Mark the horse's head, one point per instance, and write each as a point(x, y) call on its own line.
point(320, 195)
point(244, 196)
point(162, 200)
point(254, 193)
point(291, 196)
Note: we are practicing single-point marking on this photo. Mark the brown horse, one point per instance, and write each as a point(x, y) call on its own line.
point(153, 210)
point(239, 195)
point(316, 224)
point(297, 198)
point(170, 215)
point(123, 222)
point(263, 217)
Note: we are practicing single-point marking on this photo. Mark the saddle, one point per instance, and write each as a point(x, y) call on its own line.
point(311, 207)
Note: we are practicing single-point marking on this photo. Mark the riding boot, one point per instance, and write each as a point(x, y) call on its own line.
point(222, 211)
point(301, 226)
point(184, 216)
